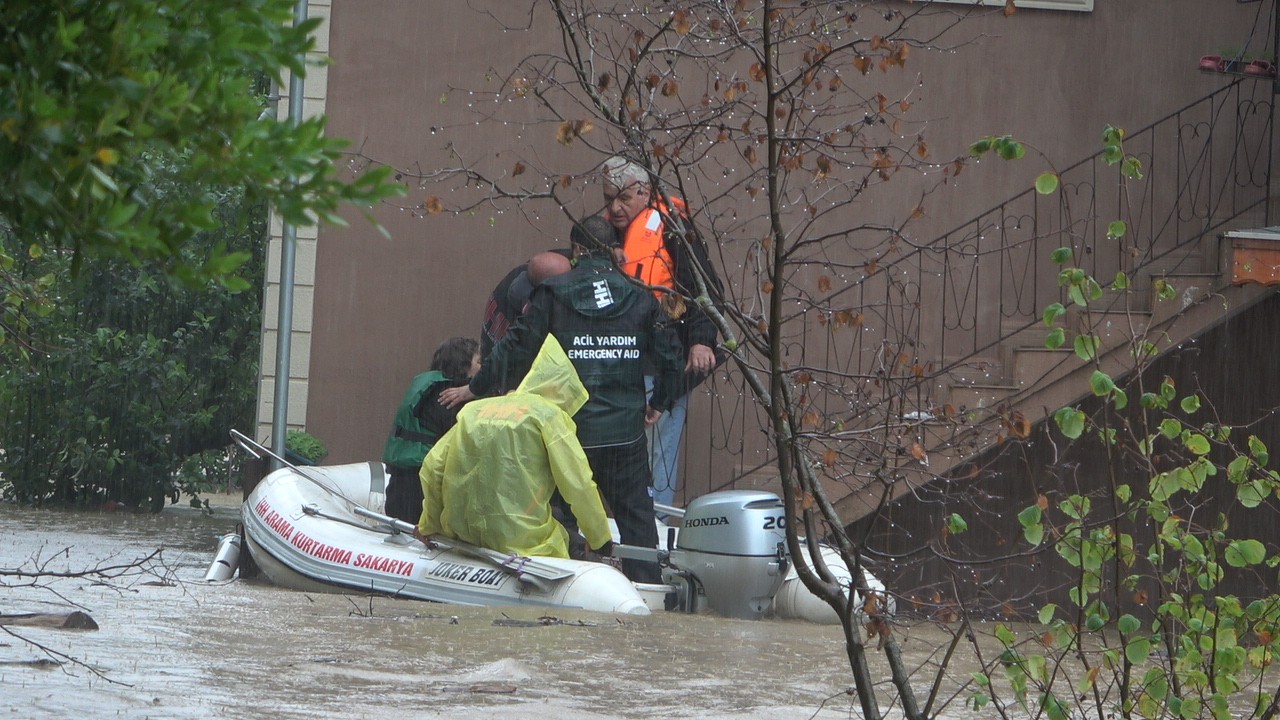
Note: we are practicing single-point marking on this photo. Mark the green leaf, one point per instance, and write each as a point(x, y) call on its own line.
point(1034, 534)
point(1061, 256)
point(1117, 229)
point(956, 524)
point(1137, 650)
point(1120, 398)
point(1132, 168)
point(1121, 282)
point(1086, 346)
point(1055, 339)
point(1101, 383)
point(1010, 149)
point(1242, 553)
point(1128, 624)
point(981, 147)
point(1170, 428)
point(1258, 450)
point(1197, 443)
point(1070, 422)
point(1190, 404)
point(1046, 183)
point(1030, 515)
point(1046, 613)
point(1053, 312)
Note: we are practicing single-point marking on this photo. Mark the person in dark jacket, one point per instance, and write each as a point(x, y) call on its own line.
point(421, 420)
point(509, 297)
point(609, 328)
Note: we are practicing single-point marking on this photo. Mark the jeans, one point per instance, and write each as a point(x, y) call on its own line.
point(664, 448)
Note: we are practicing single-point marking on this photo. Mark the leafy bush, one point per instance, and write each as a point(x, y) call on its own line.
point(132, 373)
point(306, 446)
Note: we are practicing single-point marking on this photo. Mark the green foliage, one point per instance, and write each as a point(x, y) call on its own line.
point(306, 446)
point(1183, 647)
point(99, 97)
point(136, 378)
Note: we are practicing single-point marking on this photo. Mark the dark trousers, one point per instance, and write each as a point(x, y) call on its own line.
point(622, 474)
point(404, 494)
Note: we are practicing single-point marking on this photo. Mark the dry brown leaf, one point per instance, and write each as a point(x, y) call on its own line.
point(670, 88)
point(564, 133)
point(518, 169)
point(1009, 8)
point(863, 64)
point(824, 167)
point(750, 155)
point(682, 25)
point(433, 205)
point(824, 283)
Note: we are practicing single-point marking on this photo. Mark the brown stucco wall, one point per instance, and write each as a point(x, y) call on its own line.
point(382, 305)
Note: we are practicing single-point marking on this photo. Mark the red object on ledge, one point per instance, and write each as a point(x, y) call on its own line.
point(1235, 66)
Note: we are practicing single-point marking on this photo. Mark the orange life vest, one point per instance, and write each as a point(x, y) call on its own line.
point(646, 251)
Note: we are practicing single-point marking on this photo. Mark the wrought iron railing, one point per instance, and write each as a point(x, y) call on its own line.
point(1206, 165)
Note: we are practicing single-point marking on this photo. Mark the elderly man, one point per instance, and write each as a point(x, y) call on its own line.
point(490, 480)
point(654, 249)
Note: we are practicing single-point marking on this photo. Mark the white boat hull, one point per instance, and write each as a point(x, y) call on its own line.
point(308, 538)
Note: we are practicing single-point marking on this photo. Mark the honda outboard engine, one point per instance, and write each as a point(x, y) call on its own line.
point(734, 543)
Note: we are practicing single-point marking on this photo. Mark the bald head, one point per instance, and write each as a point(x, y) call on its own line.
point(547, 264)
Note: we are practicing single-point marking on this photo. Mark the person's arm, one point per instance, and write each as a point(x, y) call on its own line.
point(668, 357)
point(572, 475)
point(438, 416)
point(511, 357)
point(689, 254)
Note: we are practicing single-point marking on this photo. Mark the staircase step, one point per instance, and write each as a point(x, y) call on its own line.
point(976, 397)
point(1190, 288)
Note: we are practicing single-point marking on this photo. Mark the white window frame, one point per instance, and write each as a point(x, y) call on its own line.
point(1078, 5)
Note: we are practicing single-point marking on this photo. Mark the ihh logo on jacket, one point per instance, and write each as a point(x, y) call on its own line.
point(604, 298)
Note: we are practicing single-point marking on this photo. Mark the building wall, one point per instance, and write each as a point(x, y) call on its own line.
point(380, 306)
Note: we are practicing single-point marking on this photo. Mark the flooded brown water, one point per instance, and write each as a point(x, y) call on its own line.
point(172, 646)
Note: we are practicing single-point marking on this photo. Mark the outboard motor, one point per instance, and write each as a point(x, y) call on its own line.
point(734, 543)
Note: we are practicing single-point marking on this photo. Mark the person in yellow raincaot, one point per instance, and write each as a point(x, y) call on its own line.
point(489, 479)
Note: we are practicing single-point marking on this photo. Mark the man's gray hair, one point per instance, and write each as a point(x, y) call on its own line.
point(623, 173)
